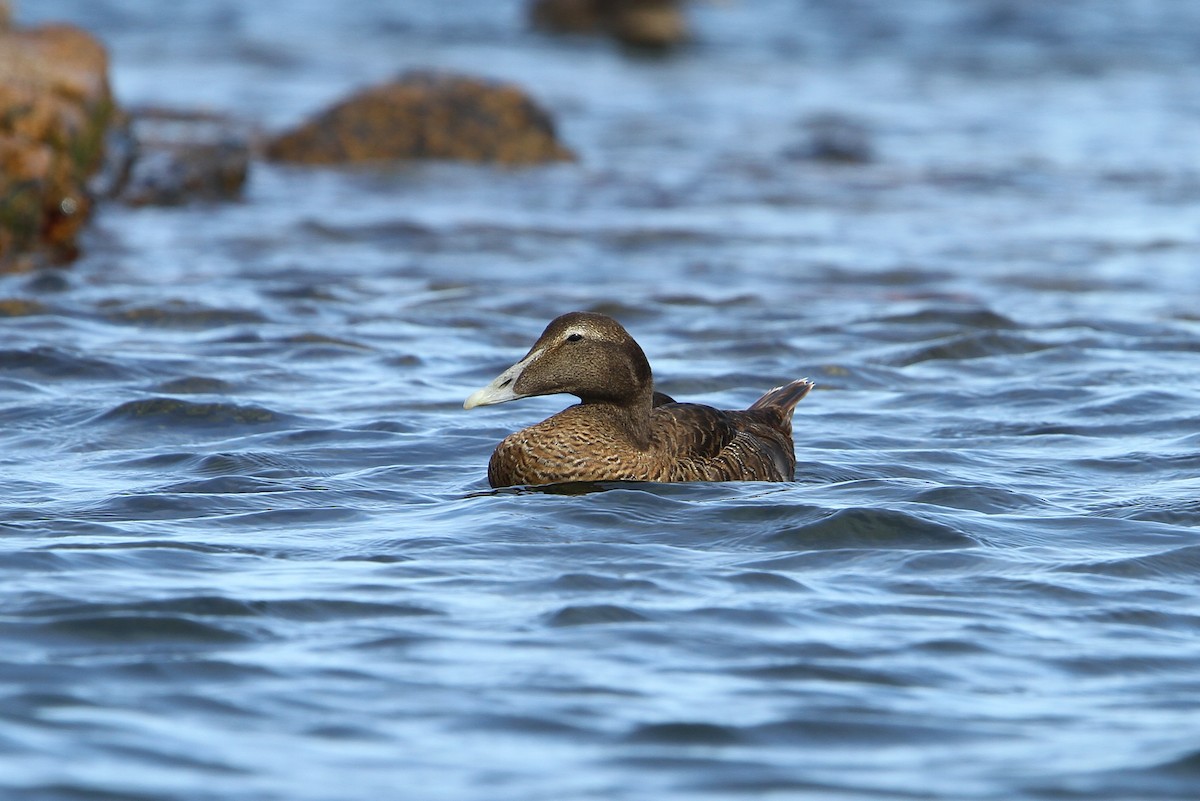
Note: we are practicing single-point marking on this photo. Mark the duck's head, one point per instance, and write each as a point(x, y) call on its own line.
point(584, 354)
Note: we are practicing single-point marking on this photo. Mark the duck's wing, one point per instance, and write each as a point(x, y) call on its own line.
point(700, 443)
point(661, 399)
point(690, 430)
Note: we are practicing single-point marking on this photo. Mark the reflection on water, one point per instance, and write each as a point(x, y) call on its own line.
point(248, 546)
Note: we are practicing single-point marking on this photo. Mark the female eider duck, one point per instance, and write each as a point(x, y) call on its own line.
point(622, 430)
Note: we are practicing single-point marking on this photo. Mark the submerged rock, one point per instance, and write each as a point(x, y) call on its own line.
point(182, 156)
point(427, 115)
point(651, 24)
point(20, 307)
point(833, 137)
point(55, 105)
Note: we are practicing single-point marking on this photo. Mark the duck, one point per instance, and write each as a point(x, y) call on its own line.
point(622, 429)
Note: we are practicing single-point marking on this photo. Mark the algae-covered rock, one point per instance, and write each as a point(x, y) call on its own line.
point(426, 115)
point(55, 105)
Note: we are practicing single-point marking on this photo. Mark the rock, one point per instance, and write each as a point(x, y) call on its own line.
point(179, 157)
point(567, 16)
point(55, 105)
point(20, 307)
point(427, 115)
point(835, 138)
point(648, 24)
point(652, 24)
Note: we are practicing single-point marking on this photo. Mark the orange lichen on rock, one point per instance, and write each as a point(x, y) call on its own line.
point(55, 106)
point(427, 116)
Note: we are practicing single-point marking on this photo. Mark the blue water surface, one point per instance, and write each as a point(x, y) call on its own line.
point(247, 547)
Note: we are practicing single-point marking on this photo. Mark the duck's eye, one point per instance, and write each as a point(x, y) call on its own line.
point(574, 337)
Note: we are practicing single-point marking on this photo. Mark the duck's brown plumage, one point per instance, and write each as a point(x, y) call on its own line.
point(622, 430)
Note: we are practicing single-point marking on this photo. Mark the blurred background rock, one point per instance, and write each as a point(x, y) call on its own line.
point(425, 115)
point(55, 107)
point(648, 24)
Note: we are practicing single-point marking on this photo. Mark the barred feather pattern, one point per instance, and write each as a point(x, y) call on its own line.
point(688, 442)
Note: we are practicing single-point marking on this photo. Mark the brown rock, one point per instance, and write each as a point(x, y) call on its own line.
point(648, 24)
point(567, 16)
point(427, 116)
point(55, 105)
point(651, 24)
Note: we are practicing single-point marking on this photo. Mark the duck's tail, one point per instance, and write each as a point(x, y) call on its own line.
point(781, 401)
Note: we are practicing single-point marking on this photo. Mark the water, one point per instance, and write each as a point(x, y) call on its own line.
point(248, 547)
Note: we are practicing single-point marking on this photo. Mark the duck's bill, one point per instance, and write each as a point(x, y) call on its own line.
point(501, 390)
point(491, 394)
